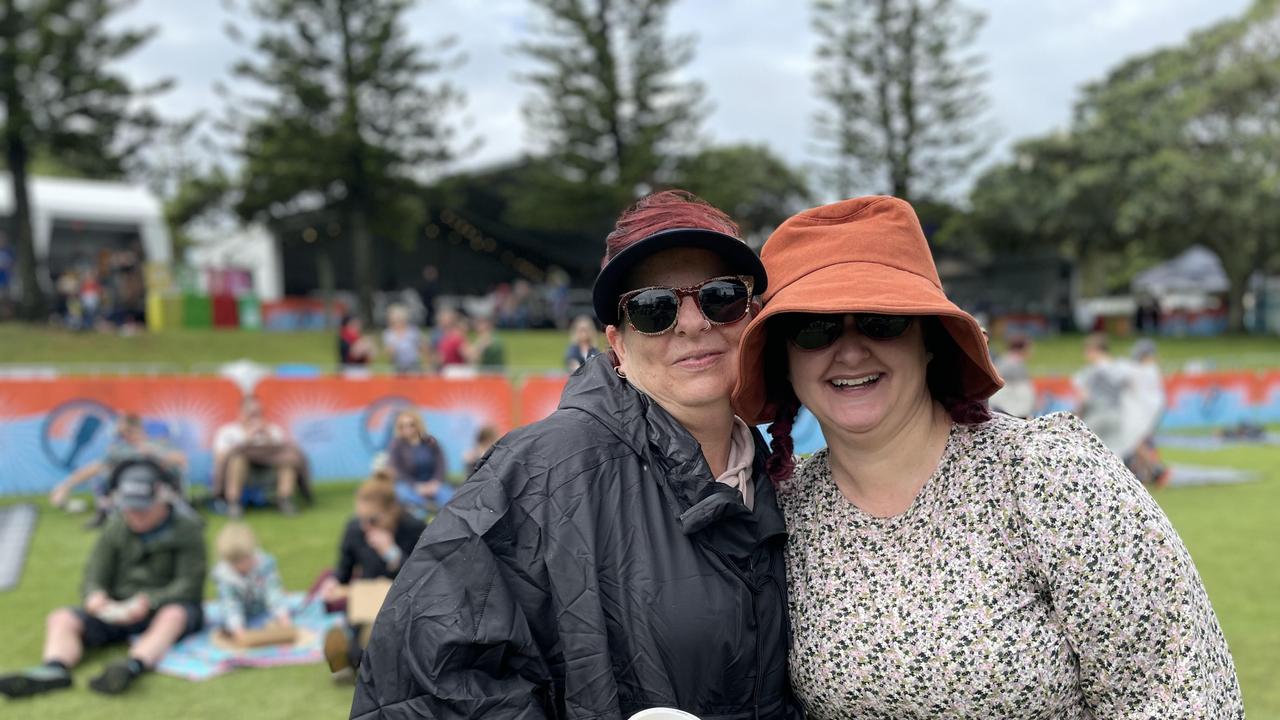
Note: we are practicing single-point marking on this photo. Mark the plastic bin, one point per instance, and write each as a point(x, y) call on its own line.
point(250, 313)
point(197, 311)
point(226, 311)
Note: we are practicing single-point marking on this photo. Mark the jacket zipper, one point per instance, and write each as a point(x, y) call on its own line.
point(755, 698)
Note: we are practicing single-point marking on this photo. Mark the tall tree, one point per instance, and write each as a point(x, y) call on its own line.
point(62, 100)
point(754, 186)
point(902, 93)
point(608, 106)
point(353, 120)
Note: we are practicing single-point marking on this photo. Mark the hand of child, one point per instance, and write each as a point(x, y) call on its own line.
point(428, 489)
point(238, 635)
point(283, 620)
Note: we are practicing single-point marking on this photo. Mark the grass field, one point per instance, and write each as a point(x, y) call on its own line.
point(1230, 530)
point(527, 351)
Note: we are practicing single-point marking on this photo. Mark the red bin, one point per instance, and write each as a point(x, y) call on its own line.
point(226, 311)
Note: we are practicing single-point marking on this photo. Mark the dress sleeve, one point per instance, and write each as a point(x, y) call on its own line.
point(1122, 583)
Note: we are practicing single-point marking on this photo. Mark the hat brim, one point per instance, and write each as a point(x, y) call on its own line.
point(860, 287)
point(740, 258)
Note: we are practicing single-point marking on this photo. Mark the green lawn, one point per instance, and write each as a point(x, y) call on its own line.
point(527, 351)
point(304, 545)
point(1229, 529)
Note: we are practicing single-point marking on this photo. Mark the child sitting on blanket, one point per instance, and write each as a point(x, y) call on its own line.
point(248, 582)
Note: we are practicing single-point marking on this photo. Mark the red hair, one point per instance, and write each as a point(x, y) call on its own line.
point(665, 210)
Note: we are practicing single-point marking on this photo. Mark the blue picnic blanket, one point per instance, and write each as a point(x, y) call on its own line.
point(196, 657)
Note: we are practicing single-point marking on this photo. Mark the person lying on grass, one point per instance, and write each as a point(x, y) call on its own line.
point(145, 578)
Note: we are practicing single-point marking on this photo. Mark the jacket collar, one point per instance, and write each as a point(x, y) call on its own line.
point(653, 434)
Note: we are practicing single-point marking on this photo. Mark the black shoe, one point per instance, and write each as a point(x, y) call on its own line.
point(34, 681)
point(115, 679)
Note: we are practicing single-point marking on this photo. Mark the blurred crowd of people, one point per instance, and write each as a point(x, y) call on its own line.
point(454, 342)
point(145, 576)
point(109, 293)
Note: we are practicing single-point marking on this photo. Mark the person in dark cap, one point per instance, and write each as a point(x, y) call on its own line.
point(144, 579)
point(626, 552)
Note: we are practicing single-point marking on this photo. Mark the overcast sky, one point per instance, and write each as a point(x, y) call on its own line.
point(755, 56)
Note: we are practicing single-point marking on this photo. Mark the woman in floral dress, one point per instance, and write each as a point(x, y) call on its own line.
point(944, 562)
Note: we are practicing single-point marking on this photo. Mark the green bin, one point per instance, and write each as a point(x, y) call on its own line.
point(197, 311)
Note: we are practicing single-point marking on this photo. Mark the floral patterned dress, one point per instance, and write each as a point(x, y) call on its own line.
point(1032, 577)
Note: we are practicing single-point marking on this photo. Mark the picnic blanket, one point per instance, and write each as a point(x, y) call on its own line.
point(1188, 475)
point(17, 525)
point(199, 657)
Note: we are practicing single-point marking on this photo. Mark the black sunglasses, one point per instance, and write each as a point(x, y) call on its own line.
point(813, 331)
point(653, 310)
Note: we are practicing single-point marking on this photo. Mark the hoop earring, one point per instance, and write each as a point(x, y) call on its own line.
point(620, 373)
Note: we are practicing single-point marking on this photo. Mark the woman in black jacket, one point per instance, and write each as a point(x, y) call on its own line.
point(626, 552)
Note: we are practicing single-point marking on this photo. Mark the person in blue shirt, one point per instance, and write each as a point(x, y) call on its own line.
point(418, 463)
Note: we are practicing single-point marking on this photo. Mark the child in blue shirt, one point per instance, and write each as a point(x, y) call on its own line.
point(248, 581)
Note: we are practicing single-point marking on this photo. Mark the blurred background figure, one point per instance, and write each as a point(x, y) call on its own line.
point(1102, 385)
point(417, 464)
point(1145, 406)
point(582, 343)
point(254, 459)
point(449, 346)
point(485, 438)
point(428, 291)
point(485, 349)
point(1018, 396)
point(402, 342)
point(375, 543)
point(247, 583)
point(131, 443)
point(355, 349)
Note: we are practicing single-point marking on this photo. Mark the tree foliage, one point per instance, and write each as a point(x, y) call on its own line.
point(353, 118)
point(609, 108)
point(63, 101)
point(902, 94)
point(1173, 148)
point(754, 186)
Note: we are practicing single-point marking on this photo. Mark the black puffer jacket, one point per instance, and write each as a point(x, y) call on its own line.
point(591, 568)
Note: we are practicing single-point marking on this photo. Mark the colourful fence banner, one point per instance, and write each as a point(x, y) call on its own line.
point(51, 427)
point(343, 423)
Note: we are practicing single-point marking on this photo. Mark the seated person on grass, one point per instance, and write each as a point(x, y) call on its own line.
point(248, 581)
point(131, 443)
point(145, 577)
point(251, 450)
point(418, 463)
point(375, 543)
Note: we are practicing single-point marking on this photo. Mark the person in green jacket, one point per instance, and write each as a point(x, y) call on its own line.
point(145, 578)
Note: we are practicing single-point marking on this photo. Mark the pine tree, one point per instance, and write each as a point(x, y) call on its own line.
point(903, 99)
point(609, 108)
point(352, 123)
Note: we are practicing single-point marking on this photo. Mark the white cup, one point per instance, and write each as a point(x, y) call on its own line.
point(661, 713)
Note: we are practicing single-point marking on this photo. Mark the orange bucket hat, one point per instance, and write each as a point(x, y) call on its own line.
point(867, 255)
